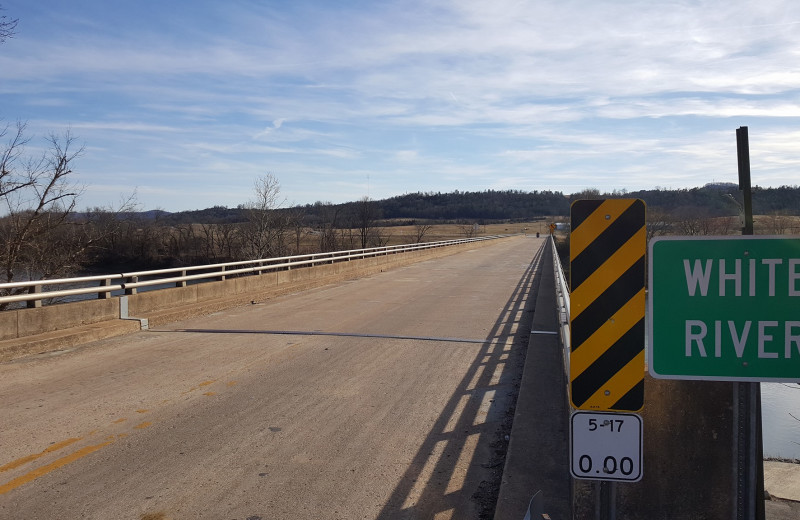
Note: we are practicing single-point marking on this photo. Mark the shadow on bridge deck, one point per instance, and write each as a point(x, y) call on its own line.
point(475, 423)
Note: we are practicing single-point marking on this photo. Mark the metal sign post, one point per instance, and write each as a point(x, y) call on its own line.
point(723, 308)
point(750, 471)
point(606, 447)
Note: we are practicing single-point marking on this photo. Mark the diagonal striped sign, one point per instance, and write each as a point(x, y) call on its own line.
point(607, 276)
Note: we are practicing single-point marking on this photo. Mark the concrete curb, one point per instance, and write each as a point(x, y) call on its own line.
point(537, 457)
point(65, 339)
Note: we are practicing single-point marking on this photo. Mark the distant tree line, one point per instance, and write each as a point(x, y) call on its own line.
point(712, 200)
point(264, 228)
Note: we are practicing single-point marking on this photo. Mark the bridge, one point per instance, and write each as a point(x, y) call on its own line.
point(424, 383)
point(380, 396)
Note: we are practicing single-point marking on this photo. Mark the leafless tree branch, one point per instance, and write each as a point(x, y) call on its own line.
point(40, 236)
point(8, 27)
point(265, 232)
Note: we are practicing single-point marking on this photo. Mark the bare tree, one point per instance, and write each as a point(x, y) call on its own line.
point(264, 233)
point(420, 230)
point(692, 221)
point(588, 193)
point(227, 235)
point(366, 217)
point(329, 223)
point(217, 241)
point(7, 27)
point(725, 225)
point(382, 237)
point(40, 236)
point(13, 176)
point(185, 247)
point(150, 240)
point(296, 221)
point(777, 223)
point(210, 242)
point(110, 229)
point(659, 223)
point(469, 230)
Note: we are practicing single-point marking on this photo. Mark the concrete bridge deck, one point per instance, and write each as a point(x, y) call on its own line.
point(384, 397)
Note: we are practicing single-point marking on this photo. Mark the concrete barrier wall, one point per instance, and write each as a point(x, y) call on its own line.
point(166, 305)
point(20, 323)
point(141, 304)
point(8, 325)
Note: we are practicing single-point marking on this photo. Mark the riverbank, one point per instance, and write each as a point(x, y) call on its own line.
point(782, 479)
point(782, 484)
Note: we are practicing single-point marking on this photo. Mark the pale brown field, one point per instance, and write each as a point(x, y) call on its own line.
point(407, 234)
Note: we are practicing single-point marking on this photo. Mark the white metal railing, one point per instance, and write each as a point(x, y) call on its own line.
point(562, 304)
point(39, 290)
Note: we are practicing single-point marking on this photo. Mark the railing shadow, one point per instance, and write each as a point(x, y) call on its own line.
point(456, 472)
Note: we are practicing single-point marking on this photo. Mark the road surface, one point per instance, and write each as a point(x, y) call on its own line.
point(386, 397)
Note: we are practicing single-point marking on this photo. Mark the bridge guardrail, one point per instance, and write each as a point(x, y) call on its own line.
point(130, 282)
point(562, 304)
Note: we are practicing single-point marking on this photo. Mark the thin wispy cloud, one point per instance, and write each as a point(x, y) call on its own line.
point(188, 102)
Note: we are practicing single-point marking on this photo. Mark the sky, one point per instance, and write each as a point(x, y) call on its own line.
point(187, 103)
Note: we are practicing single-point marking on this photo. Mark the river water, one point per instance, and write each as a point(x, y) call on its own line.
point(779, 402)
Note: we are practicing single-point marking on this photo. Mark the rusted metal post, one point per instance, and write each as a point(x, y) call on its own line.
point(747, 396)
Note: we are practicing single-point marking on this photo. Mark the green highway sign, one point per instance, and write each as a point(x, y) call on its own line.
point(724, 308)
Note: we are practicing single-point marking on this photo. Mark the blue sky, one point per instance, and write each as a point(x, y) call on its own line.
point(188, 102)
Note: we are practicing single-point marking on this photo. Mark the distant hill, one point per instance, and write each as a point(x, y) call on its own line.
point(713, 199)
point(485, 205)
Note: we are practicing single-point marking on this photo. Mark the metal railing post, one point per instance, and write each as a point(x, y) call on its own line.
point(35, 304)
point(131, 290)
point(104, 295)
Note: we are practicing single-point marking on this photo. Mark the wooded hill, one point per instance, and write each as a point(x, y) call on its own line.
point(712, 200)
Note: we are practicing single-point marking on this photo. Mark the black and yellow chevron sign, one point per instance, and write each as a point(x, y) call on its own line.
point(607, 301)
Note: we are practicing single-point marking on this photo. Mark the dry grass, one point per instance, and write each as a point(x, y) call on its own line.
point(407, 234)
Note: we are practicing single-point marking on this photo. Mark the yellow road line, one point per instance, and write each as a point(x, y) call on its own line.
point(50, 449)
point(44, 470)
point(36, 473)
